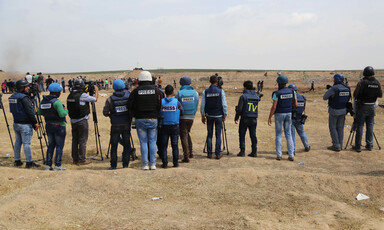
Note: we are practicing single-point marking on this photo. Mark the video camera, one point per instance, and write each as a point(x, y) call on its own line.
point(329, 86)
point(33, 90)
point(90, 87)
point(220, 82)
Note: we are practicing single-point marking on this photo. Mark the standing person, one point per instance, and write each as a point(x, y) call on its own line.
point(145, 103)
point(189, 99)
point(106, 84)
point(296, 120)
point(174, 83)
point(40, 82)
point(49, 81)
point(24, 121)
point(70, 83)
point(312, 86)
point(365, 95)
point(63, 84)
point(29, 78)
point(214, 110)
point(261, 86)
point(338, 95)
point(78, 107)
point(171, 109)
point(54, 113)
point(160, 82)
point(283, 101)
point(116, 109)
point(4, 86)
point(247, 109)
point(258, 86)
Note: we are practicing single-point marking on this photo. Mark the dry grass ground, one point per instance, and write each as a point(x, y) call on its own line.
point(231, 193)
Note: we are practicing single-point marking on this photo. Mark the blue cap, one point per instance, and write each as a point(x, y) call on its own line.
point(118, 84)
point(292, 86)
point(185, 80)
point(338, 77)
point(55, 88)
point(281, 79)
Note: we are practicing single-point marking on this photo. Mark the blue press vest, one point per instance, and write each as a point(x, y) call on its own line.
point(16, 107)
point(250, 105)
point(300, 106)
point(341, 97)
point(284, 103)
point(119, 110)
point(170, 111)
point(49, 112)
point(188, 99)
point(213, 103)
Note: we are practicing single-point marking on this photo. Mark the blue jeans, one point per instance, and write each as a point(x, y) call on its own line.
point(218, 126)
point(23, 134)
point(283, 120)
point(56, 139)
point(300, 130)
point(171, 131)
point(336, 128)
point(116, 133)
point(248, 123)
point(365, 114)
point(147, 133)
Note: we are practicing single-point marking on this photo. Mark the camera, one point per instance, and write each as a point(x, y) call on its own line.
point(220, 82)
point(90, 87)
point(303, 119)
point(329, 86)
point(350, 109)
point(33, 90)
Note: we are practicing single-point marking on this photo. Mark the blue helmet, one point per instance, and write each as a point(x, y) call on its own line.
point(185, 80)
point(281, 79)
point(118, 84)
point(55, 88)
point(292, 86)
point(338, 77)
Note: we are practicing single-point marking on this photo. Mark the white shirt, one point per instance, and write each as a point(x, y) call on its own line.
point(28, 78)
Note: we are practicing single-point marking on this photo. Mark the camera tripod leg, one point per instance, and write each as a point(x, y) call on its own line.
point(97, 134)
point(225, 135)
point(109, 149)
point(349, 138)
point(377, 142)
point(6, 121)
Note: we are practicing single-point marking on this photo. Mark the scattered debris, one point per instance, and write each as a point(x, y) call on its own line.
point(10, 178)
point(103, 94)
point(382, 209)
point(361, 196)
point(314, 101)
point(317, 212)
point(157, 198)
point(301, 163)
point(21, 177)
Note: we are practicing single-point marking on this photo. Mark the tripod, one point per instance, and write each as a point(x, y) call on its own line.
point(133, 149)
point(41, 130)
point(6, 120)
point(224, 138)
point(97, 134)
point(352, 135)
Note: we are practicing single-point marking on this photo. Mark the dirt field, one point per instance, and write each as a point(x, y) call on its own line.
point(231, 193)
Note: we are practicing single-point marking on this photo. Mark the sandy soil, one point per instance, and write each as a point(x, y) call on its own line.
point(231, 193)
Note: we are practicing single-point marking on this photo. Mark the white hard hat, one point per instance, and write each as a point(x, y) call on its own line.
point(145, 76)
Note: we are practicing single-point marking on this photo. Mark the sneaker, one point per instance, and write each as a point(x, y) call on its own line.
point(369, 148)
point(333, 148)
point(252, 155)
point(112, 168)
point(278, 158)
point(209, 156)
point(357, 149)
point(164, 166)
point(176, 165)
point(191, 155)
point(31, 165)
point(145, 167)
point(18, 163)
point(125, 166)
point(185, 160)
point(153, 167)
point(307, 148)
point(241, 154)
point(291, 159)
point(219, 156)
point(59, 168)
point(84, 162)
point(47, 168)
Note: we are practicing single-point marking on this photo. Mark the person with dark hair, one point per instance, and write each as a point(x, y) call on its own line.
point(78, 107)
point(49, 81)
point(24, 121)
point(189, 99)
point(261, 86)
point(284, 99)
point(214, 110)
point(116, 109)
point(312, 86)
point(145, 103)
point(54, 113)
point(258, 86)
point(338, 96)
point(247, 109)
point(171, 109)
point(365, 95)
point(63, 84)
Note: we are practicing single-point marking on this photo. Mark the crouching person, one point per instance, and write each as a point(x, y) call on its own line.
point(170, 111)
point(54, 113)
point(247, 108)
point(116, 109)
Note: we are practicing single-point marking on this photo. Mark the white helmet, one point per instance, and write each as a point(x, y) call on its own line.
point(145, 76)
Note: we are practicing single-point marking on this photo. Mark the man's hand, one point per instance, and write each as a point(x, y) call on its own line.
point(37, 126)
point(223, 118)
point(269, 121)
point(203, 119)
point(236, 122)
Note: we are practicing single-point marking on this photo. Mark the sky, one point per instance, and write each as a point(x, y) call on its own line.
point(102, 35)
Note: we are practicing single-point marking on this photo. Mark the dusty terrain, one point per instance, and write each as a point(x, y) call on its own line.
point(231, 193)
